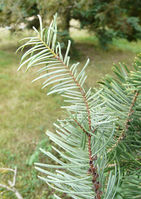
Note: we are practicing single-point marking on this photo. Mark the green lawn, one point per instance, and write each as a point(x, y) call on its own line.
point(26, 112)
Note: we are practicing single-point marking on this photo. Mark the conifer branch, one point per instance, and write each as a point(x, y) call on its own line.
point(69, 83)
point(92, 169)
point(96, 184)
point(122, 136)
point(84, 131)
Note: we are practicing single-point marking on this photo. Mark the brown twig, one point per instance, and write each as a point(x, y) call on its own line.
point(11, 184)
point(93, 168)
point(131, 111)
point(96, 184)
point(80, 126)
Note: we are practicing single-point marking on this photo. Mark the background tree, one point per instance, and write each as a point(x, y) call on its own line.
point(15, 12)
point(111, 18)
point(19, 11)
point(106, 19)
point(18, 14)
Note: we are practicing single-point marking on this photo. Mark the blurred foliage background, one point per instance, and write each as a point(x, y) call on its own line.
point(107, 19)
point(106, 31)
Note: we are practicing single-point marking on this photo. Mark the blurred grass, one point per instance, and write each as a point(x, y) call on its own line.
point(26, 112)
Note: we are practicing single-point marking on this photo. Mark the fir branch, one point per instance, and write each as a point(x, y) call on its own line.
point(45, 52)
point(131, 111)
point(84, 131)
point(93, 168)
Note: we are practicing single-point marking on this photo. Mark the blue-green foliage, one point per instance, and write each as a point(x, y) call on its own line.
point(96, 149)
